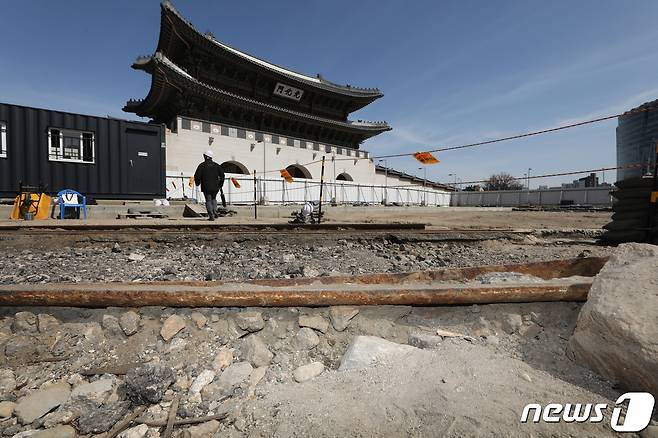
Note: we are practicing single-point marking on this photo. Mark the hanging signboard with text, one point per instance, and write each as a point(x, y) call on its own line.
point(288, 92)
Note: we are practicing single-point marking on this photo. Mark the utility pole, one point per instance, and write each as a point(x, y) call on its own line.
point(255, 198)
point(264, 172)
point(455, 184)
point(528, 180)
point(424, 169)
point(384, 198)
point(333, 158)
point(321, 184)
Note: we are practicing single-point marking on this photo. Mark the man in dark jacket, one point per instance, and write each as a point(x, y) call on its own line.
point(210, 176)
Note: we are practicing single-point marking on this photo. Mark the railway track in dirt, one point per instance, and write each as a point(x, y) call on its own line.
point(558, 280)
point(417, 231)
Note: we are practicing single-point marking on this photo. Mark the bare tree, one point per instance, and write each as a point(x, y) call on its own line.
point(503, 181)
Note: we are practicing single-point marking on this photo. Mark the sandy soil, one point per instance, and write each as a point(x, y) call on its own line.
point(445, 217)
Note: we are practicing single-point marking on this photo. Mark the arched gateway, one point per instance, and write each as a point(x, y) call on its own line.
point(234, 167)
point(298, 171)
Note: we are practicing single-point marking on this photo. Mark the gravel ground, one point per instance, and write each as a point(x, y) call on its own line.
point(203, 257)
point(246, 362)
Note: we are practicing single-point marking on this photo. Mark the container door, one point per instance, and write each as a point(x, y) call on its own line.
point(144, 170)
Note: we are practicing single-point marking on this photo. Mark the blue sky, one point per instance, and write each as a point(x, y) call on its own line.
point(452, 72)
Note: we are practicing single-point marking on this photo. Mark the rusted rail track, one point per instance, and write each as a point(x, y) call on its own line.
point(205, 226)
point(429, 288)
point(233, 233)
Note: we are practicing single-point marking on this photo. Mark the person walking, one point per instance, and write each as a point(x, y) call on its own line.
point(210, 176)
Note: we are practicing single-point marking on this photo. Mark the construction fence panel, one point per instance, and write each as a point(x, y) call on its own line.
point(599, 196)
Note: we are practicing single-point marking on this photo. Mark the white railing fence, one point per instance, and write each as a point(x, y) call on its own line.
point(278, 191)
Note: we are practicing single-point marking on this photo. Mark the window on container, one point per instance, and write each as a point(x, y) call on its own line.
point(3, 140)
point(70, 146)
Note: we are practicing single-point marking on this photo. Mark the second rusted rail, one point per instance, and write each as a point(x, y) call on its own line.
point(453, 286)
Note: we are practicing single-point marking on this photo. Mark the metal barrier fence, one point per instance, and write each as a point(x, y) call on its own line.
point(277, 191)
point(511, 198)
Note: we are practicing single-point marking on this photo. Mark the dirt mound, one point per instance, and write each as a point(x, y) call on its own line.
point(459, 389)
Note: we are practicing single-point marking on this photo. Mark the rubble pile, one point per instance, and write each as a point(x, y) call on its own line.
point(332, 371)
point(79, 372)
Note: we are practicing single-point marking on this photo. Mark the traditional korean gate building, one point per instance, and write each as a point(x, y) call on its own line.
point(254, 115)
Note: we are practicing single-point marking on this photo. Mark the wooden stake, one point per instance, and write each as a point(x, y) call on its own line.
point(172, 417)
point(185, 421)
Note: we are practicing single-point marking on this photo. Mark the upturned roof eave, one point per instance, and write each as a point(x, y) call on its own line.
point(367, 94)
point(366, 129)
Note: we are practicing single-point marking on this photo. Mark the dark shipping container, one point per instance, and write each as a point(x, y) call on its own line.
point(101, 157)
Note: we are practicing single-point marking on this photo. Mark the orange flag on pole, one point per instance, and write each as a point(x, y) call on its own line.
point(426, 157)
point(286, 175)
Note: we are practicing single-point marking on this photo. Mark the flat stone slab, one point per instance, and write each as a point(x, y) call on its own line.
point(307, 372)
point(316, 322)
point(341, 316)
point(171, 326)
point(39, 403)
point(65, 431)
point(96, 391)
point(367, 351)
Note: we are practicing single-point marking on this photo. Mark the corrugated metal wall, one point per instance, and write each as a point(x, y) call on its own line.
point(108, 177)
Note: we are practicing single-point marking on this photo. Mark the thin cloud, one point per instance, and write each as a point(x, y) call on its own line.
point(617, 108)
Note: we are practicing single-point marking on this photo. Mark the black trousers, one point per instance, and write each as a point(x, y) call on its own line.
point(211, 203)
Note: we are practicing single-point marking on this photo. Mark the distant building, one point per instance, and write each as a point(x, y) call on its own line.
point(590, 180)
point(637, 137)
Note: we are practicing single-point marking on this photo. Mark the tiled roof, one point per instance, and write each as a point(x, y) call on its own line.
point(319, 82)
point(149, 63)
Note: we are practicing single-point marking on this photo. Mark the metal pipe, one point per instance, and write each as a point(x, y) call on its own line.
point(132, 295)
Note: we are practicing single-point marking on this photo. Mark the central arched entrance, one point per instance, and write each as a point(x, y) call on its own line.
point(234, 167)
point(344, 177)
point(298, 171)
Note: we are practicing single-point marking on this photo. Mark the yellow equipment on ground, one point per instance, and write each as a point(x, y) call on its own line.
point(35, 204)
